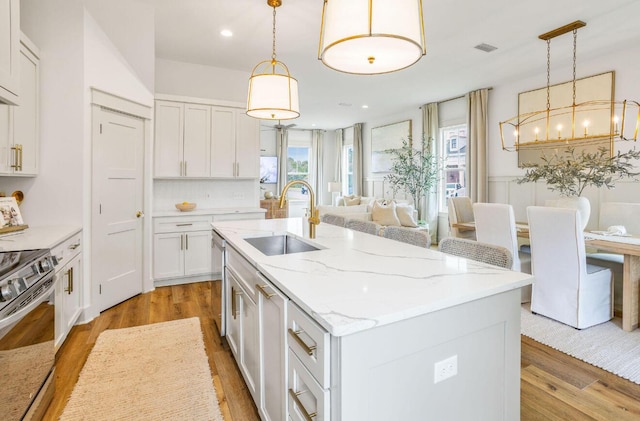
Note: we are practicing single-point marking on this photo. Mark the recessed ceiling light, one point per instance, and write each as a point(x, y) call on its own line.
point(226, 33)
point(313, 124)
point(365, 106)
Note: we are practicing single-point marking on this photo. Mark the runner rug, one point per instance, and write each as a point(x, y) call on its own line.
point(152, 372)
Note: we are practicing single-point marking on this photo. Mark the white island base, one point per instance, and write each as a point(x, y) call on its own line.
point(387, 373)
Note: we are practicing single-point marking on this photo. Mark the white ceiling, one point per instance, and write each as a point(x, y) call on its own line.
point(189, 31)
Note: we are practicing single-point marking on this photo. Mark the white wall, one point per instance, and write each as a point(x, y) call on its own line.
point(200, 81)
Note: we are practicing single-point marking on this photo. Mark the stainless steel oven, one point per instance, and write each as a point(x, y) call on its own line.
point(27, 329)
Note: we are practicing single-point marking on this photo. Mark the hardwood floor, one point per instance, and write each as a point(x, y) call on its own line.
point(554, 386)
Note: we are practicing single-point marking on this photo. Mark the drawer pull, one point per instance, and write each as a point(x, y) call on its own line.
point(184, 225)
point(264, 292)
point(307, 416)
point(296, 335)
point(234, 305)
point(74, 246)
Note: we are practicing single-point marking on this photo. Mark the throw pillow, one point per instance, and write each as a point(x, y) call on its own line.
point(351, 200)
point(405, 215)
point(385, 214)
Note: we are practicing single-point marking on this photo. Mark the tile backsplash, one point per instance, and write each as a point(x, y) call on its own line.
point(206, 193)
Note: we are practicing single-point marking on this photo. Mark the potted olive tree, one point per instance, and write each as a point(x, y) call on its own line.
point(414, 171)
point(571, 173)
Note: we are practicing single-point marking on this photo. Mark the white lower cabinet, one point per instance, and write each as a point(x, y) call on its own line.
point(68, 295)
point(182, 247)
point(256, 321)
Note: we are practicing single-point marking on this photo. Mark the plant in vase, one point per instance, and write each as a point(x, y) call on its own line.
point(414, 171)
point(571, 173)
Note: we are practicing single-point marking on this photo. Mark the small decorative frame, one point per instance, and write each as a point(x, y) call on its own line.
point(11, 219)
point(384, 138)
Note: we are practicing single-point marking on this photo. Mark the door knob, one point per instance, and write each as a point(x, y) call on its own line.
point(139, 214)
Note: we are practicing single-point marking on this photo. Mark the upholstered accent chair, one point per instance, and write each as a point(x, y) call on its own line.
point(329, 218)
point(408, 235)
point(460, 210)
point(363, 226)
point(478, 251)
point(566, 288)
point(496, 224)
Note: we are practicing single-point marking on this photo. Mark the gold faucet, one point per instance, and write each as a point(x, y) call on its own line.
point(314, 219)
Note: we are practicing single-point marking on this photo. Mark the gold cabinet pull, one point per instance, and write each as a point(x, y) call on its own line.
point(186, 241)
point(264, 292)
point(234, 305)
point(139, 214)
point(296, 335)
point(15, 157)
point(71, 279)
point(307, 416)
point(73, 247)
point(181, 242)
point(20, 152)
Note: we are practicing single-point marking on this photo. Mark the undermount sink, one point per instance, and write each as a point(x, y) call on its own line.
point(274, 245)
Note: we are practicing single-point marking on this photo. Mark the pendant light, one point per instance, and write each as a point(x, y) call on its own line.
point(371, 36)
point(273, 93)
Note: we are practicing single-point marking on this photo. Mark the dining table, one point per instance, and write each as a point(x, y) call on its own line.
point(626, 245)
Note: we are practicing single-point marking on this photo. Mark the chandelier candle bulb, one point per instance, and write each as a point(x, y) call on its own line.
point(615, 122)
point(536, 131)
point(559, 127)
point(586, 128)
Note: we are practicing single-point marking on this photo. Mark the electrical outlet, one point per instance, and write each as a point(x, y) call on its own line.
point(444, 369)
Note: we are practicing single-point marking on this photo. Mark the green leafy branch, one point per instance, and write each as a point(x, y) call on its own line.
point(571, 173)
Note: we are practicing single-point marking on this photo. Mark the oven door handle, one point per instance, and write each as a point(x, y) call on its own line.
point(18, 314)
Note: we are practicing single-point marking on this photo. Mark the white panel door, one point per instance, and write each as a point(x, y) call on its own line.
point(118, 144)
point(197, 140)
point(168, 148)
point(247, 146)
point(223, 143)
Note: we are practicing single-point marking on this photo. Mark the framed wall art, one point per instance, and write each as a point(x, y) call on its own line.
point(11, 219)
point(384, 138)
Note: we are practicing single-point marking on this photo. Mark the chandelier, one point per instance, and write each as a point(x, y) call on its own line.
point(273, 93)
point(591, 122)
point(371, 36)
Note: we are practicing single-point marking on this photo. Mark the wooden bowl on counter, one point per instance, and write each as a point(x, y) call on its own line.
point(185, 206)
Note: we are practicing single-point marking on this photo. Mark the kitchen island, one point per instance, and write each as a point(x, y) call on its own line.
point(369, 328)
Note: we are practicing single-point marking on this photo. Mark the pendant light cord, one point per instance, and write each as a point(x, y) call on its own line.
point(575, 43)
point(273, 54)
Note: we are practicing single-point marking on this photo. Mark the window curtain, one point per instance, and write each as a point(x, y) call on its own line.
point(431, 145)
point(281, 152)
point(357, 160)
point(319, 185)
point(477, 156)
point(337, 176)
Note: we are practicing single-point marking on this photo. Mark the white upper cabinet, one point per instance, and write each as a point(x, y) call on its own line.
point(9, 51)
point(235, 144)
point(183, 139)
point(20, 125)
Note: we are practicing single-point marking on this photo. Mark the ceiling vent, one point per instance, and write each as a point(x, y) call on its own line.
point(485, 47)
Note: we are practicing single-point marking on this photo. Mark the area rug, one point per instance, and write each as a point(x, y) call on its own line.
point(606, 345)
point(152, 372)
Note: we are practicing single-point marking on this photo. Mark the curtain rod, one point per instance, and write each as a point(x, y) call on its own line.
point(452, 99)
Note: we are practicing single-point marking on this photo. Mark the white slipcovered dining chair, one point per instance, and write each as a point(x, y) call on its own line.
point(496, 224)
point(460, 210)
point(566, 288)
point(616, 214)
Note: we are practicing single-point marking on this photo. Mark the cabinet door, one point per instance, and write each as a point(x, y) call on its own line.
point(197, 253)
point(168, 148)
point(9, 47)
point(247, 146)
point(250, 344)
point(26, 116)
point(273, 320)
point(233, 309)
point(168, 256)
point(7, 155)
point(197, 140)
point(72, 292)
point(223, 134)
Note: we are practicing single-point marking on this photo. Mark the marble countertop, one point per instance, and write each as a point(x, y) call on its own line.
point(42, 237)
point(359, 281)
point(211, 211)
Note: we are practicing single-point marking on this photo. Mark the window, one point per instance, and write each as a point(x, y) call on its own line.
point(453, 153)
point(347, 169)
point(299, 163)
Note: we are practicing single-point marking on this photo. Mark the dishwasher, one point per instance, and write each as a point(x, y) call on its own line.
point(217, 291)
